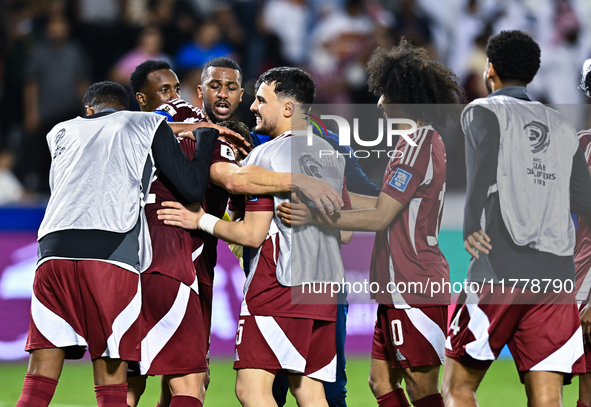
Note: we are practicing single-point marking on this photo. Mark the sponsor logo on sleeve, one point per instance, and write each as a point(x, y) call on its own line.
point(400, 179)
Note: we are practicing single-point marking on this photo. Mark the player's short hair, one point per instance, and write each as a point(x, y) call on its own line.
point(222, 62)
point(514, 55)
point(106, 93)
point(406, 76)
point(239, 128)
point(139, 77)
point(290, 82)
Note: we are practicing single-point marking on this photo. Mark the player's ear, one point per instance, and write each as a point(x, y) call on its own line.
point(490, 71)
point(200, 91)
point(89, 110)
point(141, 99)
point(288, 109)
point(241, 94)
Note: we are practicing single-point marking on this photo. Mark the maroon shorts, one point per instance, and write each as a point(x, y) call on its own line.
point(206, 298)
point(287, 346)
point(174, 338)
point(410, 337)
point(86, 304)
point(541, 337)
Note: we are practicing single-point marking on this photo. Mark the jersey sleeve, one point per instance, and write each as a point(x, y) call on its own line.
point(260, 203)
point(405, 174)
point(223, 153)
point(180, 111)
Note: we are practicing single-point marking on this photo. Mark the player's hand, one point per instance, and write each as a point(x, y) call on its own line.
point(186, 134)
point(322, 194)
point(294, 213)
point(177, 214)
point(225, 134)
point(477, 242)
point(586, 323)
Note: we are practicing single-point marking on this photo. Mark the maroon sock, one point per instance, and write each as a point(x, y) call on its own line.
point(37, 391)
point(111, 395)
point(433, 400)
point(395, 398)
point(580, 404)
point(185, 401)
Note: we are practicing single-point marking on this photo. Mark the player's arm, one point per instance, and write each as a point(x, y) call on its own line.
point(580, 185)
point(482, 134)
point(189, 177)
point(373, 219)
point(183, 129)
point(362, 201)
point(251, 232)
point(255, 180)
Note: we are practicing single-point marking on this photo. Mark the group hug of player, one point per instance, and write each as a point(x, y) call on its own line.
point(127, 247)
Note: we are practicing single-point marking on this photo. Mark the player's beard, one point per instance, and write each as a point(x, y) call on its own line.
point(264, 127)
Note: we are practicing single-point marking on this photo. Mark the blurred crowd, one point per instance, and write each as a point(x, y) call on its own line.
point(51, 50)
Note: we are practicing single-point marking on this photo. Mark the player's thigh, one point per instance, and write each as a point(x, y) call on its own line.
point(459, 379)
point(253, 383)
point(307, 391)
point(383, 379)
point(544, 389)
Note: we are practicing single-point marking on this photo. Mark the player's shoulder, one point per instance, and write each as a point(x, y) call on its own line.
point(584, 136)
point(179, 110)
point(425, 141)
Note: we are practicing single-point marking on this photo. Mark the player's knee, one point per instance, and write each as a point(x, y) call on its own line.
point(545, 400)
point(244, 391)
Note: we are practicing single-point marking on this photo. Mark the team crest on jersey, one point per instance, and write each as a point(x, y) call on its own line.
point(538, 136)
point(310, 166)
point(227, 152)
point(400, 179)
point(251, 198)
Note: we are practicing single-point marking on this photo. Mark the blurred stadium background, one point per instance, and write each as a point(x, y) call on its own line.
point(51, 50)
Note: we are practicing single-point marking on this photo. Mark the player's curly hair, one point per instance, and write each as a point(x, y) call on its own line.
point(290, 82)
point(241, 129)
point(139, 77)
point(514, 55)
point(406, 76)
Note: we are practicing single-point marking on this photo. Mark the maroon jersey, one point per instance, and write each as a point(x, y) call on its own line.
point(178, 253)
point(204, 245)
point(178, 110)
point(265, 295)
point(583, 243)
point(407, 252)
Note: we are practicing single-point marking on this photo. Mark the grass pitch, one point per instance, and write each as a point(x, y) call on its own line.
point(501, 386)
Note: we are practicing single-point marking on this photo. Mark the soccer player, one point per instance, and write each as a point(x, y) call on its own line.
point(93, 243)
point(525, 170)
point(221, 93)
point(276, 336)
point(583, 258)
point(409, 333)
